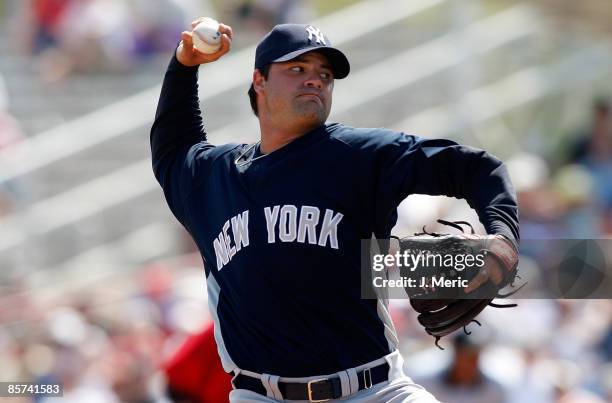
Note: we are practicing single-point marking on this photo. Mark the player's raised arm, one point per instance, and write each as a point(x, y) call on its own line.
point(178, 124)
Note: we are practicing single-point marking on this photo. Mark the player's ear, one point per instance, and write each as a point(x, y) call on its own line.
point(258, 81)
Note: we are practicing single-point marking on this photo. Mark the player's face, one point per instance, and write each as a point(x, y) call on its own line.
point(299, 92)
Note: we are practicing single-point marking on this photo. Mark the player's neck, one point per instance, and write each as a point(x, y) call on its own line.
point(273, 138)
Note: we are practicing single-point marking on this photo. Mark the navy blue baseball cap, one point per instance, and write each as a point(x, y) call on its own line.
point(287, 41)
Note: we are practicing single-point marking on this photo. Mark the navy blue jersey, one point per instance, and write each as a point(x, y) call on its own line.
point(280, 233)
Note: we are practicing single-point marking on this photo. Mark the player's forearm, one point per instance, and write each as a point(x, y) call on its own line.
point(490, 192)
point(178, 121)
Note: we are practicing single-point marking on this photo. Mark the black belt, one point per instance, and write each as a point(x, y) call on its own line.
point(318, 390)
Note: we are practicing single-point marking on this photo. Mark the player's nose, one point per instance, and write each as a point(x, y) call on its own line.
point(314, 81)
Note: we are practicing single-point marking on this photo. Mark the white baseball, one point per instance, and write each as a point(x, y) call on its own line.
point(206, 36)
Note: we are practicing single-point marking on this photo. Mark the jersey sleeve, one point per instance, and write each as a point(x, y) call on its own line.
point(414, 165)
point(179, 148)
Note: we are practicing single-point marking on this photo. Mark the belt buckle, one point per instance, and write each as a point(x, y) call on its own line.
point(309, 385)
point(367, 380)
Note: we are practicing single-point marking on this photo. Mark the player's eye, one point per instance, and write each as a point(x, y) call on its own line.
point(297, 69)
point(326, 76)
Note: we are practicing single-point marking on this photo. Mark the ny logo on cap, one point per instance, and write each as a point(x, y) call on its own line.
point(316, 32)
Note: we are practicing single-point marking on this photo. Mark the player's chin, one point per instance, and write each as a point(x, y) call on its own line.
point(314, 112)
point(312, 120)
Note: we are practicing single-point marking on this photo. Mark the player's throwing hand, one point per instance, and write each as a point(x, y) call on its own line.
point(189, 56)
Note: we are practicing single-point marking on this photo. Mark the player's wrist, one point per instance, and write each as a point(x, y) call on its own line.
point(502, 254)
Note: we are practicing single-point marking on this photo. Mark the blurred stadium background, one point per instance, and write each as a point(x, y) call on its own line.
point(98, 283)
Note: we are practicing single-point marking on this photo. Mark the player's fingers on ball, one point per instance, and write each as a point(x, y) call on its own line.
point(196, 22)
point(187, 38)
point(226, 29)
point(226, 44)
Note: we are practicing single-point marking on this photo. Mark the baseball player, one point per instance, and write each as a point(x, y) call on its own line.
point(279, 222)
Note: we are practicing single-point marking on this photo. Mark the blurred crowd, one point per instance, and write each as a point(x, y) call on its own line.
point(259, 16)
point(574, 200)
point(66, 36)
point(543, 351)
point(140, 338)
